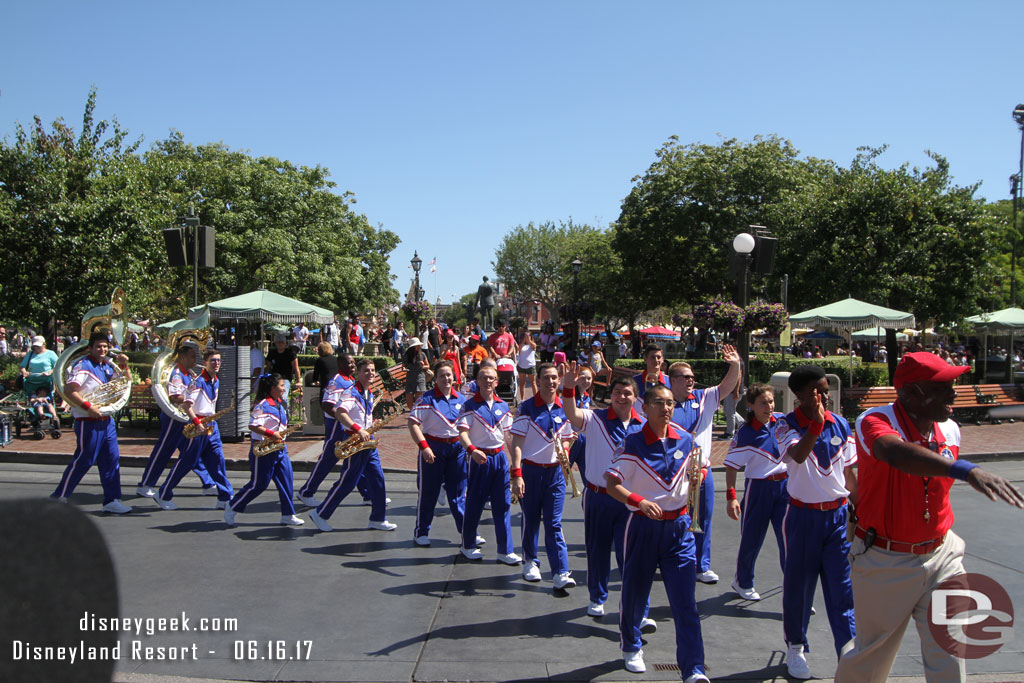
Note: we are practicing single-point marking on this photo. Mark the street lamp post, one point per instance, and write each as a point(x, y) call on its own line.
point(416, 262)
point(577, 266)
point(743, 244)
point(1017, 192)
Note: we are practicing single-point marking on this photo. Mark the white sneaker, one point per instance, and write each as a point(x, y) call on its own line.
point(745, 593)
point(796, 662)
point(707, 577)
point(320, 522)
point(487, 505)
point(221, 505)
point(291, 520)
point(563, 580)
point(422, 541)
point(116, 507)
point(480, 540)
point(229, 516)
point(472, 553)
point(382, 526)
point(62, 499)
point(387, 501)
point(164, 504)
point(813, 611)
point(145, 491)
point(698, 678)
point(510, 559)
point(531, 572)
point(311, 501)
point(634, 661)
point(210, 491)
point(648, 625)
point(595, 609)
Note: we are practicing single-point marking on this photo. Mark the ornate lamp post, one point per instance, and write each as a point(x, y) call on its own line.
point(743, 244)
point(417, 263)
point(577, 266)
point(1016, 191)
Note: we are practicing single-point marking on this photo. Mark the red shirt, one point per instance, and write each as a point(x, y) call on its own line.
point(894, 502)
point(501, 343)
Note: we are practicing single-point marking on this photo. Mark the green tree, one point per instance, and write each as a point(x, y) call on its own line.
point(904, 238)
point(999, 294)
point(76, 218)
point(278, 226)
point(677, 224)
point(535, 259)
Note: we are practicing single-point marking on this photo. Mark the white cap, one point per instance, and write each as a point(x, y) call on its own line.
point(38, 341)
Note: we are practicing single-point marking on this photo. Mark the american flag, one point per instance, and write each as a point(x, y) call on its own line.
point(433, 265)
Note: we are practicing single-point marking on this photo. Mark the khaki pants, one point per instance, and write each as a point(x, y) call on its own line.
point(889, 588)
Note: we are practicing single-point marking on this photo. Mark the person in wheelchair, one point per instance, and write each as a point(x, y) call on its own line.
point(37, 371)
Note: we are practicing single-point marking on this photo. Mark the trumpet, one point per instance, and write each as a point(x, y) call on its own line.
point(563, 460)
point(205, 426)
point(694, 475)
point(266, 446)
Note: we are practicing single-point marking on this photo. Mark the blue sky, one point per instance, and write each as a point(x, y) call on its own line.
point(453, 122)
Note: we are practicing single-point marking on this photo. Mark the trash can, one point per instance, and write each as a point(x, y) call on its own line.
point(314, 423)
point(785, 402)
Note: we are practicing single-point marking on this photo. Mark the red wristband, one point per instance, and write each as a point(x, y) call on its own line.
point(516, 471)
point(569, 392)
point(196, 421)
point(356, 427)
point(86, 405)
point(635, 499)
point(423, 445)
point(270, 432)
point(816, 428)
point(730, 494)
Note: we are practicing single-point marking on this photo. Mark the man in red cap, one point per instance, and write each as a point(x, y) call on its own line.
point(904, 546)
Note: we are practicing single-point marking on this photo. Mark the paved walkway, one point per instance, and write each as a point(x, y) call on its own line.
point(398, 453)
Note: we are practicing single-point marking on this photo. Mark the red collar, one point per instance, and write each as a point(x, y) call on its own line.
point(480, 399)
point(691, 397)
point(633, 415)
point(349, 378)
point(359, 387)
point(803, 420)
point(660, 376)
point(437, 392)
point(205, 375)
point(650, 437)
point(756, 426)
point(271, 401)
point(539, 402)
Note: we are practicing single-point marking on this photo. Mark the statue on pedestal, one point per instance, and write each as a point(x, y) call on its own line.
point(485, 304)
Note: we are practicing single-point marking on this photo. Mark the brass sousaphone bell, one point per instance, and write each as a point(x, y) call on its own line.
point(112, 396)
point(196, 330)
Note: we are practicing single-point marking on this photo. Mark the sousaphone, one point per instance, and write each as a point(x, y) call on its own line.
point(196, 330)
point(111, 396)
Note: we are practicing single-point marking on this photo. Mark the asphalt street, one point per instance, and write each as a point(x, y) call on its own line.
point(364, 605)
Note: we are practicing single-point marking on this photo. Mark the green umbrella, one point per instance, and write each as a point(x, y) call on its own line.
point(266, 306)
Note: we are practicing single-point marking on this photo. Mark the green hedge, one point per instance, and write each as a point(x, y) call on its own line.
point(709, 371)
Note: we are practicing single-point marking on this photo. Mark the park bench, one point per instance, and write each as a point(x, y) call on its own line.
point(140, 401)
point(972, 402)
point(388, 387)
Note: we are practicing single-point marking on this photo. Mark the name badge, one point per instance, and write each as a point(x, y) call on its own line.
point(836, 441)
point(458, 406)
point(557, 420)
point(694, 405)
point(497, 412)
point(678, 455)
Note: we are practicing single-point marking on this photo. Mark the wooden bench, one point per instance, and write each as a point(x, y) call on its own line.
point(387, 389)
point(972, 400)
point(141, 400)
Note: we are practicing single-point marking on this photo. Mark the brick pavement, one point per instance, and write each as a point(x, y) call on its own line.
point(398, 453)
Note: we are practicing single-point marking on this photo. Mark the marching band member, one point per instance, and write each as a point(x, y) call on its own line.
point(442, 460)
point(695, 412)
point(96, 434)
point(482, 425)
point(333, 431)
point(818, 449)
point(537, 477)
point(171, 438)
point(651, 475)
point(269, 416)
point(201, 401)
point(652, 375)
point(355, 413)
point(604, 518)
point(765, 500)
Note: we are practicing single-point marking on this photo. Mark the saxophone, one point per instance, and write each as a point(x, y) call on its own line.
point(694, 475)
point(266, 446)
point(205, 426)
point(354, 444)
point(563, 460)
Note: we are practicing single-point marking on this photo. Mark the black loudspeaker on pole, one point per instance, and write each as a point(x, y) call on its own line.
point(179, 246)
